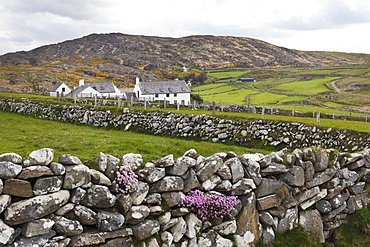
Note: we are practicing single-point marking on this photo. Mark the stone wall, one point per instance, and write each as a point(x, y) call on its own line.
point(270, 133)
point(66, 203)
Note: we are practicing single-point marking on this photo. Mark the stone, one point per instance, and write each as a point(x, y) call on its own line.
point(87, 239)
point(34, 208)
point(137, 214)
point(167, 239)
point(309, 155)
point(109, 221)
point(11, 157)
point(46, 185)
point(139, 194)
point(212, 164)
point(112, 163)
point(178, 230)
point(65, 209)
point(18, 187)
point(309, 170)
point(35, 172)
point(67, 227)
point(323, 206)
point(153, 199)
point(310, 220)
point(314, 199)
point(156, 210)
point(322, 160)
point(133, 160)
point(170, 223)
point(37, 227)
point(224, 172)
point(124, 202)
point(9, 169)
point(226, 228)
point(41, 240)
point(5, 201)
point(269, 186)
point(211, 183)
point(165, 161)
point(101, 162)
point(152, 174)
point(98, 177)
point(267, 202)
point(168, 183)
point(190, 180)
point(67, 159)
point(77, 195)
point(6, 233)
point(193, 224)
point(121, 242)
point(179, 212)
point(358, 188)
point(321, 178)
point(357, 164)
point(212, 238)
point(266, 218)
point(165, 218)
point(172, 198)
point(274, 169)
point(289, 221)
point(192, 153)
point(76, 176)
point(338, 200)
point(85, 215)
point(268, 234)
point(236, 168)
point(145, 229)
point(180, 166)
point(247, 221)
point(121, 233)
point(294, 177)
point(99, 196)
point(41, 157)
point(57, 169)
point(242, 187)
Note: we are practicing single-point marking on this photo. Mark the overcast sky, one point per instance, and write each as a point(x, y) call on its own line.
point(323, 25)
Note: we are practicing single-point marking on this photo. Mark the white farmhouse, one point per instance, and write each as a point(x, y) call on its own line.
point(60, 88)
point(84, 92)
point(174, 92)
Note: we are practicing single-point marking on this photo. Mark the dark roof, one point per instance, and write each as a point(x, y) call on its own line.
point(77, 91)
point(102, 87)
point(55, 87)
point(161, 87)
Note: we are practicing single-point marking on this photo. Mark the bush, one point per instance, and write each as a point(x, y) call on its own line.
point(125, 180)
point(209, 207)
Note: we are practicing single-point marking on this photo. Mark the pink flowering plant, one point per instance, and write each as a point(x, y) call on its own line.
point(209, 207)
point(125, 180)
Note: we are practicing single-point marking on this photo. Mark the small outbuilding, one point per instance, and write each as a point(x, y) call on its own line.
point(60, 88)
point(246, 80)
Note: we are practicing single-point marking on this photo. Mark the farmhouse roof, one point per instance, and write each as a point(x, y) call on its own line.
point(77, 90)
point(102, 87)
point(55, 87)
point(162, 87)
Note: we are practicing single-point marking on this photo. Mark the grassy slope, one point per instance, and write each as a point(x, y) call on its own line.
point(23, 134)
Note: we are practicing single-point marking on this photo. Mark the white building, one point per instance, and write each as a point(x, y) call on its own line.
point(60, 88)
point(84, 92)
point(174, 92)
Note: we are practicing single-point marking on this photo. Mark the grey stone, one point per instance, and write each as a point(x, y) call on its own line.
point(243, 187)
point(34, 208)
point(274, 169)
point(322, 160)
point(109, 221)
point(47, 185)
point(35, 172)
point(87, 239)
point(37, 227)
point(133, 160)
point(309, 170)
point(137, 214)
point(152, 174)
point(101, 162)
point(76, 176)
point(358, 188)
point(269, 186)
point(11, 157)
point(321, 178)
point(167, 239)
point(85, 215)
point(67, 227)
point(190, 180)
point(169, 183)
point(323, 206)
point(140, 193)
point(41, 157)
point(311, 221)
point(165, 218)
point(224, 172)
point(212, 164)
point(313, 200)
point(212, 238)
point(211, 183)
point(266, 218)
point(180, 166)
point(226, 228)
point(99, 196)
point(18, 187)
point(5, 201)
point(65, 209)
point(172, 198)
point(9, 169)
point(236, 169)
point(178, 230)
point(268, 234)
point(294, 177)
point(98, 177)
point(224, 186)
point(67, 159)
point(57, 169)
point(6, 233)
point(154, 198)
point(40, 240)
point(165, 161)
point(77, 195)
point(289, 221)
point(112, 163)
point(124, 202)
point(145, 229)
point(194, 225)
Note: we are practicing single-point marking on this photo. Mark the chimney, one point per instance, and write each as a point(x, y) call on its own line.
point(81, 83)
point(137, 80)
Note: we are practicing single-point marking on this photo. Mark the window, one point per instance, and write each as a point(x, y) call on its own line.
point(175, 95)
point(175, 101)
point(156, 95)
point(167, 95)
point(63, 89)
point(182, 102)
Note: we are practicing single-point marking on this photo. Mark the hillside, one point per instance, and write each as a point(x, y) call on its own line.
point(121, 58)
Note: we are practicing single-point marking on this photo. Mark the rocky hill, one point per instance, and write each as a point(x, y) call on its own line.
point(122, 57)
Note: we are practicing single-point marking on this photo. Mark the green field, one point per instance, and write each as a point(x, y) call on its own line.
point(305, 87)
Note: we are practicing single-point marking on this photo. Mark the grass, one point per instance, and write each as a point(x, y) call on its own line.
point(304, 87)
point(24, 134)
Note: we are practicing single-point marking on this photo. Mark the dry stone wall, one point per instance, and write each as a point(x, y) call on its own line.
point(59, 201)
point(271, 133)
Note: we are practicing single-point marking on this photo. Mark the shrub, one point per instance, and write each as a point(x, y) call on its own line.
point(209, 207)
point(125, 180)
